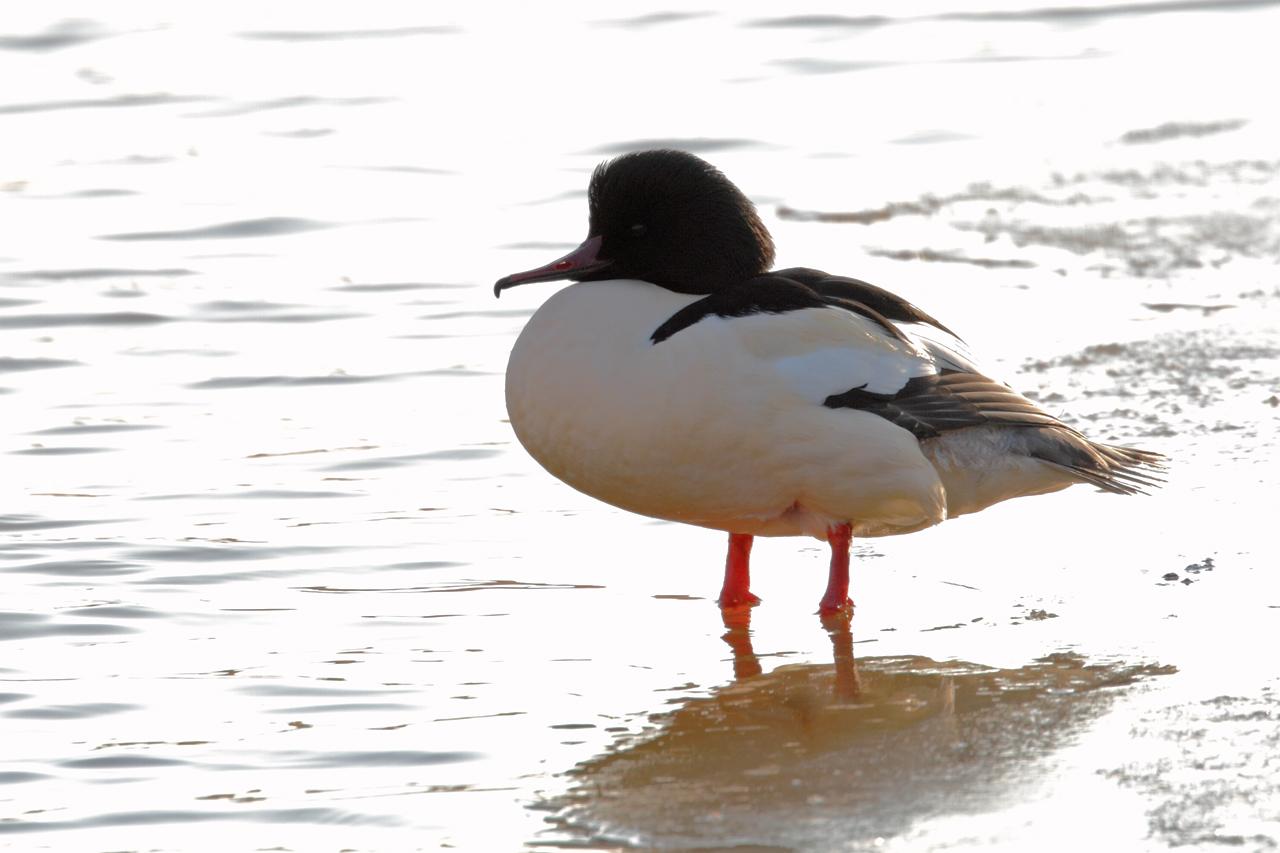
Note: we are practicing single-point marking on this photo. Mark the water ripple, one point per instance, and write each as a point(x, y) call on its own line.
point(224, 552)
point(338, 35)
point(117, 611)
point(465, 586)
point(267, 226)
point(402, 170)
point(697, 145)
point(98, 272)
point(1043, 14)
point(10, 365)
point(107, 318)
point(70, 712)
point(289, 103)
point(101, 103)
point(302, 133)
point(1106, 10)
point(653, 19)
point(203, 353)
point(208, 578)
point(457, 454)
point(298, 691)
point(822, 22)
point(81, 429)
point(27, 626)
point(934, 256)
point(158, 816)
point(318, 317)
point(17, 777)
point(79, 568)
point(491, 313)
point(338, 707)
point(116, 762)
point(815, 65)
point(397, 286)
point(286, 381)
point(66, 33)
point(103, 192)
point(11, 523)
point(379, 758)
point(219, 305)
point(270, 494)
point(1179, 129)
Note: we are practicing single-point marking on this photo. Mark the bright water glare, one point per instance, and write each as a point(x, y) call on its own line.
point(277, 575)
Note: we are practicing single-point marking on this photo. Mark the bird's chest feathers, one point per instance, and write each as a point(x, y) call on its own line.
point(584, 375)
point(667, 429)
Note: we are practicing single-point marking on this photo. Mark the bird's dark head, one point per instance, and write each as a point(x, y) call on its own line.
point(665, 217)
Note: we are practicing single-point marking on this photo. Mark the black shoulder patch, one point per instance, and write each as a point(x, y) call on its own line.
point(928, 406)
point(765, 294)
point(888, 305)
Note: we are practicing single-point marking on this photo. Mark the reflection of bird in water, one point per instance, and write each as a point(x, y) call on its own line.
point(737, 627)
point(681, 379)
point(821, 757)
point(846, 683)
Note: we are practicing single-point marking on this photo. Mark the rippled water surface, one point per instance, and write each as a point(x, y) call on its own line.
point(277, 576)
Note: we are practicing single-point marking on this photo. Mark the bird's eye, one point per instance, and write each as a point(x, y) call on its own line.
point(637, 230)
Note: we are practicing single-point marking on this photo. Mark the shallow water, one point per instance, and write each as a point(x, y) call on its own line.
point(274, 564)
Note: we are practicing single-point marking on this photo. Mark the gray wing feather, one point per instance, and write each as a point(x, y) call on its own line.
point(928, 406)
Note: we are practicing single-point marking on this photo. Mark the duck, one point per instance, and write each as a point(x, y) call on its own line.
point(679, 377)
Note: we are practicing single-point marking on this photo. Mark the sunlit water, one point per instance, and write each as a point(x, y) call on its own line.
point(276, 574)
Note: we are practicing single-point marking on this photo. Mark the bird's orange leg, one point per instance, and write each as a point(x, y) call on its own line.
point(737, 573)
point(836, 598)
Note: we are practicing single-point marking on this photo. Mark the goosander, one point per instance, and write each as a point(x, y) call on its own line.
point(679, 378)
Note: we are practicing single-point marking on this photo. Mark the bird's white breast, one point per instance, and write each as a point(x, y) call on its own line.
point(721, 424)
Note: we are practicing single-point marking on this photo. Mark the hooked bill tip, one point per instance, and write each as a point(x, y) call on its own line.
point(502, 284)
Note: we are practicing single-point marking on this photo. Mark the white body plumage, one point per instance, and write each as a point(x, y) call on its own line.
point(723, 423)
